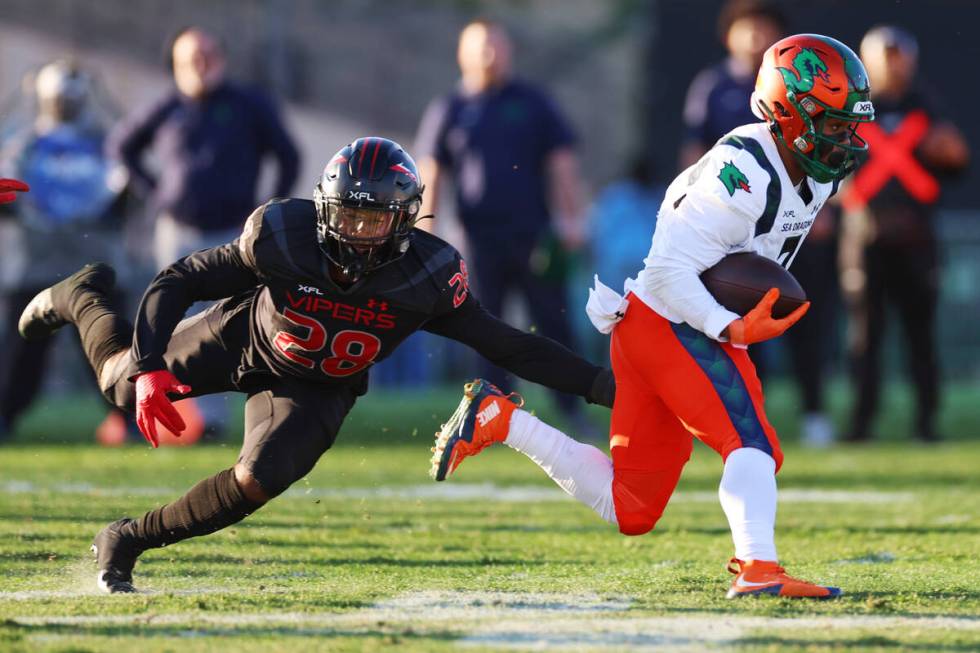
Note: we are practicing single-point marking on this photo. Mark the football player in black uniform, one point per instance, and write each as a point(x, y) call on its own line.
point(312, 294)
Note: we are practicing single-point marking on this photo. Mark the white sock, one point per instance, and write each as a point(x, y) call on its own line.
point(748, 497)
point(580, 469)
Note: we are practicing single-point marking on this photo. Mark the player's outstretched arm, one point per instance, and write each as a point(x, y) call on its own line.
point(529, 356)
point(206, 275)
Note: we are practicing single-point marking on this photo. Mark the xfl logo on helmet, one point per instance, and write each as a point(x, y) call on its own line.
point(360, 195)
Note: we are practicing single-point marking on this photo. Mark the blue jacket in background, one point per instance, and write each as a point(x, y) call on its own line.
point(208, 152)
point(495, 146)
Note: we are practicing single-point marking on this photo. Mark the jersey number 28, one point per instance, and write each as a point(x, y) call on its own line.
point(350, 351)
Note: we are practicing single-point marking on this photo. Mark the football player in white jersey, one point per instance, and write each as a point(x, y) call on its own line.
point(680, 359)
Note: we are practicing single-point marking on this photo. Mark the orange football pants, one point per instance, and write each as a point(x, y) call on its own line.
point(673, 384)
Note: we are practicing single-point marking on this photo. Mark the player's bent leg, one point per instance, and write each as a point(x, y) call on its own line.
point(581, 470)
point(729, 416)
point(209, 506)
point(251, 487)
point(481, 419)
point(53, 307)
point(647, 467)
point(287, 429)
point(486, 416)
point(85, 300)
point(649, 445)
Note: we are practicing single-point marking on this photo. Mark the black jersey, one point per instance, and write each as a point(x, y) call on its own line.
point(303, 324)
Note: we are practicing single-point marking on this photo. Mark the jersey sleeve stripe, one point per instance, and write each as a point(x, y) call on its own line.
point(774, 193)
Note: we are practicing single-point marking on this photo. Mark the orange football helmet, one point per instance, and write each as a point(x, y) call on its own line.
point(805, 80)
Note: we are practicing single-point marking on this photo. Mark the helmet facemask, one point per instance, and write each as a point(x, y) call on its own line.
point(359, 236)
point(822, 156)
point(813, 91)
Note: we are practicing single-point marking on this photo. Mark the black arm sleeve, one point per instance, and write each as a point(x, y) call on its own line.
point(209, 274)
point(531, 357)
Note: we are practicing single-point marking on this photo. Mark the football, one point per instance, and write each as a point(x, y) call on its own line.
point(739, 281)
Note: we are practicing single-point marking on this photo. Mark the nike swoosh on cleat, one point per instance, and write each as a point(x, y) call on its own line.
point(739, 582)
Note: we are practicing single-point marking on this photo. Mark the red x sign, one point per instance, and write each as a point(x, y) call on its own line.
point(891, 155)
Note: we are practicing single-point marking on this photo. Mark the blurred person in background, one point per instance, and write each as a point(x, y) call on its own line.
point(509, 153)
point(209, 137)
point(890, 252)
point(70, 217)
point(718, 99)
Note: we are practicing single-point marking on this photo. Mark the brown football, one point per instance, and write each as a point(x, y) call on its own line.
point(739, 281)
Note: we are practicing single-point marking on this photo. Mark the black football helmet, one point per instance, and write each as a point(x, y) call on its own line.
point(367, 202)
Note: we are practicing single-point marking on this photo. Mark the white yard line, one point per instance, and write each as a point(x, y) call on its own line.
point(523, 621)
point(461, 492)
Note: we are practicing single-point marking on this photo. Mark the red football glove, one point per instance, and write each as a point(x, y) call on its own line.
point(8, 188)
point(152, 404)
point(759, 324)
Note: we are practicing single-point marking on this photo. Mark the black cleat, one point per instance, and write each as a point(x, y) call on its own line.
point(115, 555)
point(46, 313)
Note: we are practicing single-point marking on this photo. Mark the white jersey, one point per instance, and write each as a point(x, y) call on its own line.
point(737, 198)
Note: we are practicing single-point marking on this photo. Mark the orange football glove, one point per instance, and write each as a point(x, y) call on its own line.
point(759, 324)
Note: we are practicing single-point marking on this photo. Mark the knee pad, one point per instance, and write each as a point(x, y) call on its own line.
point(639, 499)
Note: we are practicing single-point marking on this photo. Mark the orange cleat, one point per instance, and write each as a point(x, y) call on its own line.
point(753, 577)
point(481, 419)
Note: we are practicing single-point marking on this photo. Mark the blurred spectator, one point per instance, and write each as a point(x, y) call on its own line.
point(718, 98)
point(509, 153)
point(621, 223)
point(209, 137)
point(891, 245)
point(68, 219)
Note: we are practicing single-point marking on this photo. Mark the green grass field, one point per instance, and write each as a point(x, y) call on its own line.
point(367, 553)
